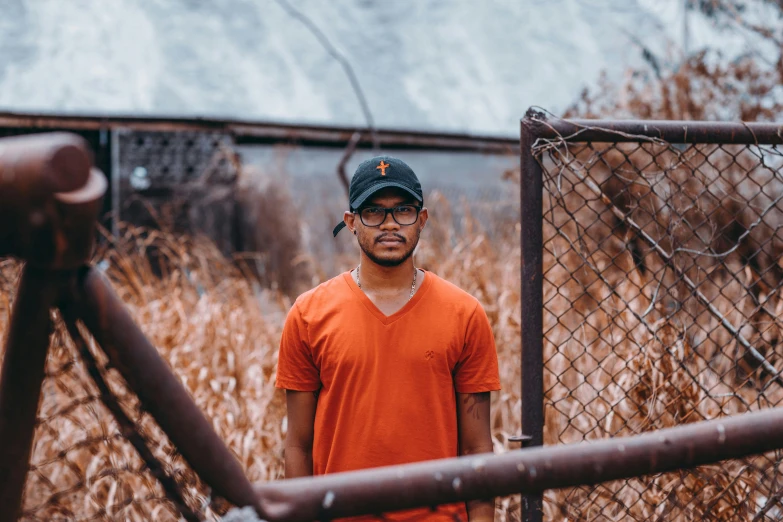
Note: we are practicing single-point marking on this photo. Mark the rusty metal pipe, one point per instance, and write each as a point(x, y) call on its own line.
point(611, 131)
point(532, 305)
point(159, 390)
point(72, 226)
point(20, 382)
point(37, 165)
point(259, 132)
point(527, 471)
point(49, 199)
point(125, 423)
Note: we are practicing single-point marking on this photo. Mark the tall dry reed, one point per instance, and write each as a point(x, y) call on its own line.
point(218, 328)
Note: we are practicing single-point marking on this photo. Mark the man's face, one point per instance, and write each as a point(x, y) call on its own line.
point(388, 244)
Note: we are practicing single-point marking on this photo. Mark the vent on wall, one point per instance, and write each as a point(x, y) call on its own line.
point(180, 181)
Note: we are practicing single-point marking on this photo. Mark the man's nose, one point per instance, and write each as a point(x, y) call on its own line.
point(389, 223)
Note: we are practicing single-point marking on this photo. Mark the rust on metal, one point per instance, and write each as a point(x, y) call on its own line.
point(35, 166)
point(49, 200)
point(127, 427)
point(532, 306)
point(612, 131)
point(50, 197)
point(20, 381)
point(528, 471)
point(160, 392)
point(74, 223)
point(258, 132)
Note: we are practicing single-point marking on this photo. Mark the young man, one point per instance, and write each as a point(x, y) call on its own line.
point(387, 364)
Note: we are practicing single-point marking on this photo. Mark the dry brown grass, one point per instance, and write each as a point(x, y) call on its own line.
point(219, 330)
point(615, 374)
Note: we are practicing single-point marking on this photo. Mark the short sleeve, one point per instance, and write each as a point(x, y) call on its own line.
point(296, 369)
point(477, 368)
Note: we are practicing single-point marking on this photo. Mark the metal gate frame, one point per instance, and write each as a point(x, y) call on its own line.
point(534, 126)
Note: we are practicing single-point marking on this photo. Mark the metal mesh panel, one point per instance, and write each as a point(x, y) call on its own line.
point(183, 181)
point(662, 297)
point(83, 466)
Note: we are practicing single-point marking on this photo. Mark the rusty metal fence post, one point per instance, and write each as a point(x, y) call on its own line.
point(531, 244)
point(158, 389)
point(20, 381)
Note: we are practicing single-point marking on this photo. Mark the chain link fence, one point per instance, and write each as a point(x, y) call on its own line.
point(662, 305)
point(84, 464)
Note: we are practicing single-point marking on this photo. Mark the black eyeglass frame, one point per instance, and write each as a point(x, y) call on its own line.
point(388, 211)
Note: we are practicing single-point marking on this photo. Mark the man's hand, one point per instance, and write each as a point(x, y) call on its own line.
point(475, 438)
point(301, 427)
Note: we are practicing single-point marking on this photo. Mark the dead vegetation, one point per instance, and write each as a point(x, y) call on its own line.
point(219, 329)
point(629, 345)
point(620, 359)
point(671, 259)
point(662, 300)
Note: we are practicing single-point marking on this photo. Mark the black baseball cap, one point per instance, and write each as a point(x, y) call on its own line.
point(378, 173)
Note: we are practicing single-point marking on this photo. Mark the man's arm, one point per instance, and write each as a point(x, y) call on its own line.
point(301, 427)
point(474, 438)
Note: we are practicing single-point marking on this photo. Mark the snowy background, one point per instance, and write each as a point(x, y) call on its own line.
point(450, 65)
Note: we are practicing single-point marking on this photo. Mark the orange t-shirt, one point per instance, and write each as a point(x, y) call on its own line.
point(387, 384)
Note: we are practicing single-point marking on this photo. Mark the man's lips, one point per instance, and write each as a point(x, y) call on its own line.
point(390, 240)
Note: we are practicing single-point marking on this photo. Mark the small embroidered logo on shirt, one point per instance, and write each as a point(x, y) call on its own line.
point(429, 354)
point(382, 167)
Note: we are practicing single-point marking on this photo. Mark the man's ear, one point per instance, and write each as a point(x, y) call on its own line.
point(349, 218)
point(424, 215)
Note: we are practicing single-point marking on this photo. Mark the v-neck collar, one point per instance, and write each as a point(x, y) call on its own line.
point(374, 310)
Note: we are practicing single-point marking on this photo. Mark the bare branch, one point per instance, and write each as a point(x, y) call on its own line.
point(334, 53)
point(349, 150)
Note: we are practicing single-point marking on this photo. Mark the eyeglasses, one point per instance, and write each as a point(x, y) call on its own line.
point(374, 216)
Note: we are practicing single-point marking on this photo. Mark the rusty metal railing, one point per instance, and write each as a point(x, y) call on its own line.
point(255, 132)
point(49, 199)
point(528, 471)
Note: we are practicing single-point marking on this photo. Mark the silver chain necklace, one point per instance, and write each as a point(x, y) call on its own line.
point(413, 286)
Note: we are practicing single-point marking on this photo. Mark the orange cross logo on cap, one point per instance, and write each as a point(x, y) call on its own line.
point(382, 167)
